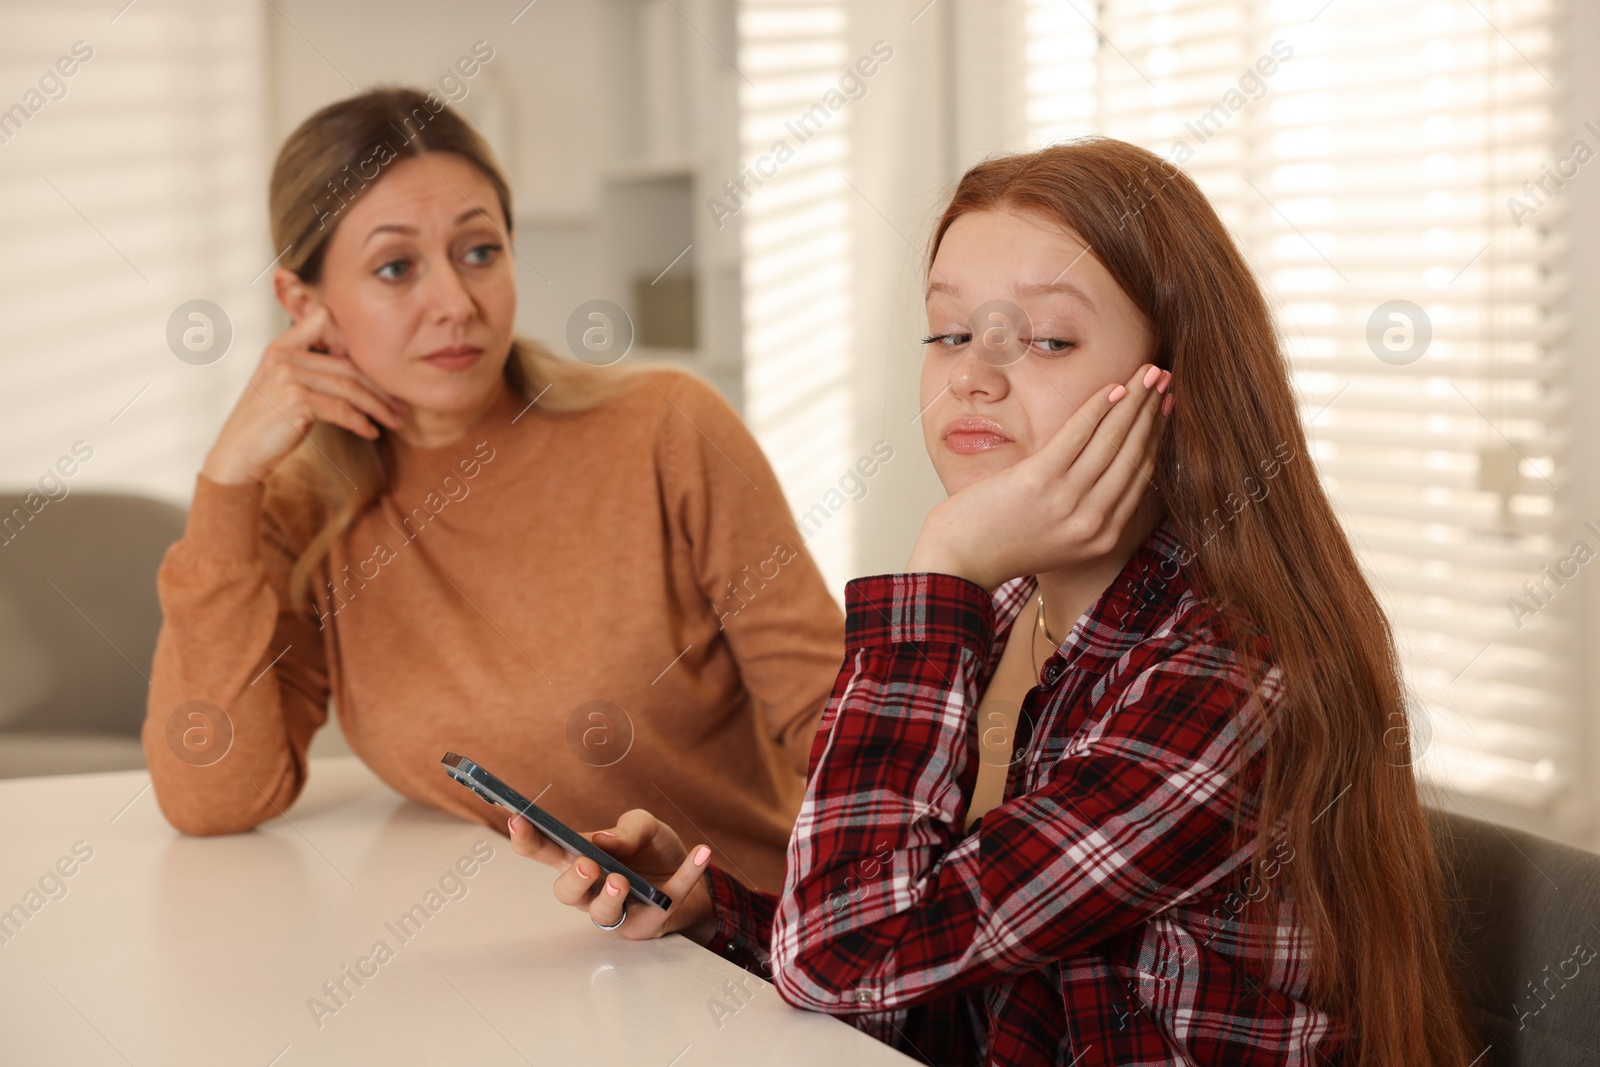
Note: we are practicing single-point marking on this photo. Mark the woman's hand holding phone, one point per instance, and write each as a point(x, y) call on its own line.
point(305, 374)
point(1068, 502)
point(654, 851)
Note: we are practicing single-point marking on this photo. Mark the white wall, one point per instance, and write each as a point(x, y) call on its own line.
point(904, 169)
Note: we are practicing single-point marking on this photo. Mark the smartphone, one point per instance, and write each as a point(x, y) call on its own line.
point(495, 791)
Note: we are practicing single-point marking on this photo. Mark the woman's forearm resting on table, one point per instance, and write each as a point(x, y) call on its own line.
point(229, 720)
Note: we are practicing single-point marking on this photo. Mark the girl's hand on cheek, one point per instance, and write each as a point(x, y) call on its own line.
point(1067, 503)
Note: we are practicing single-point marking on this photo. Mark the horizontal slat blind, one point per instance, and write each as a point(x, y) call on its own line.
point(795, 236)
point(140, 187)
point(1377, 152)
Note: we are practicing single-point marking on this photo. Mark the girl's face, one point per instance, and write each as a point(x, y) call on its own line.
point(1025, 324)
point(419, 281)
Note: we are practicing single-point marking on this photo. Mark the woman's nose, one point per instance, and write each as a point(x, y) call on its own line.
point(448, 298)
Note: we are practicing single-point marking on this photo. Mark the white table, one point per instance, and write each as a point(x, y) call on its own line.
point(170, 950)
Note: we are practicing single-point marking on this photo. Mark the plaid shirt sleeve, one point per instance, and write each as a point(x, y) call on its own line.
point(889, 902)
point(744, 916)
point(744, 922)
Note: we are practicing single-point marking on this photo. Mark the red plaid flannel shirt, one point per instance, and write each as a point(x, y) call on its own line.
point(1095, 916)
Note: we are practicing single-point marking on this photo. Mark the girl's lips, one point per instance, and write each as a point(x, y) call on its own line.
point(968, 442)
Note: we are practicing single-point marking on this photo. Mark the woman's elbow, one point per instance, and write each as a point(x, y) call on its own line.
point(209, 821)
point(209, 825)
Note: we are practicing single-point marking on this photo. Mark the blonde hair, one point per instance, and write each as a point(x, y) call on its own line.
point(324, 164)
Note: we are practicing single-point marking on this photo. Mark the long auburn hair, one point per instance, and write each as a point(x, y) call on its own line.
point(1365, 879)
point(330, 160)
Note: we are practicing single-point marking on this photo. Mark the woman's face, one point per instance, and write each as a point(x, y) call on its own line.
point(1027, 324)
point(419, 280)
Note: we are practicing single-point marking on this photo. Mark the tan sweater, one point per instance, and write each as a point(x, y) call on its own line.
point(608, 609)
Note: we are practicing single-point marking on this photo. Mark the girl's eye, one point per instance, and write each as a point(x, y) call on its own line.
point(391, 277)
point(482, 254)
point(948, 340)
point(1052, 345)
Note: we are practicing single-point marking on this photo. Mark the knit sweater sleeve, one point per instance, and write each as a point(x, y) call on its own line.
point(785, 629)
point(240, 679)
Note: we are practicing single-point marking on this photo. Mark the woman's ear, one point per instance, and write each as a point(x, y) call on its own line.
point(296, 296)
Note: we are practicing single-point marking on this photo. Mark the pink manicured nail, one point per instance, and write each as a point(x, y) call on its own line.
point(1166, 380)
point(1166, 406)
point(1117, 394)
point(612, 890)
point(1151, 375)
point(701, 854)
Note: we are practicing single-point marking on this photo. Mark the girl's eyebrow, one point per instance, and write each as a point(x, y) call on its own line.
point(1055, 288)
point(1066, 289)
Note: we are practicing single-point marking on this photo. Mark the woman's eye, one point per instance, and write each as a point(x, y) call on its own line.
point(1052, 345)
point(948, 340)
point(397, 266)
point(480, 255)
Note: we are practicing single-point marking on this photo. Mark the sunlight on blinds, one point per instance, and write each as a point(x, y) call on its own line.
point(1059, 51)
point(795, 218)
point(1369, 156)
point(133, 185)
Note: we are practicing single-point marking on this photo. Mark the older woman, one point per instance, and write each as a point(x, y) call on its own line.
point(471, 545)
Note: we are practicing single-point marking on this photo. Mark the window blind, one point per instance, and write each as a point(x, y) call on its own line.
point(792, 202)
point(133, 185)
point(1393, 169)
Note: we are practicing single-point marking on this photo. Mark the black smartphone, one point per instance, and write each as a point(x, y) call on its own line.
point(495, 791)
